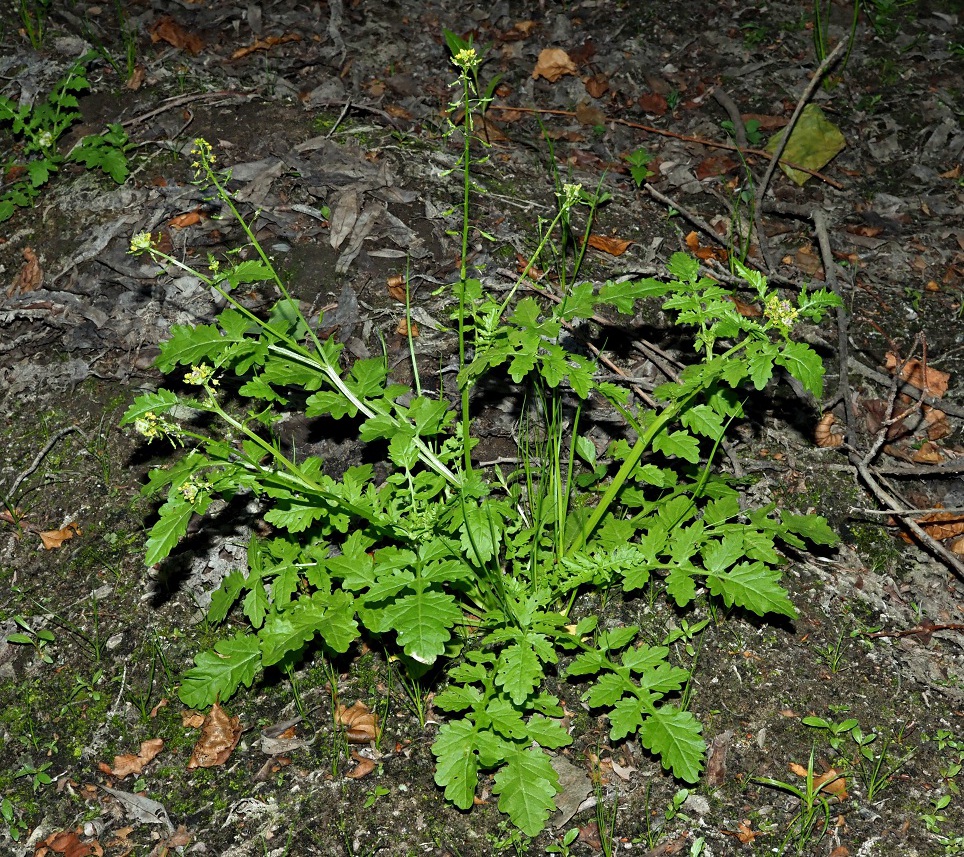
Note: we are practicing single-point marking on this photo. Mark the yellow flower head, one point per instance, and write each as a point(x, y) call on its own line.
point(141, 242)
point(466, 59)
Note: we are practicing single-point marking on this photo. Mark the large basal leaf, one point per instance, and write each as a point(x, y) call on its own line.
point(519, 672)
point(675, 736)
point(423, 621)
point(456, 763)
point(218, 674)
point(526, 787)
point(156, 403)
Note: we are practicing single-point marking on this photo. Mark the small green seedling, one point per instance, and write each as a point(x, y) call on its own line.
point(39, 639)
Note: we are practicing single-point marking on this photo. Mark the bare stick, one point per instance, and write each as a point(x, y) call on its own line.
point(9, 499)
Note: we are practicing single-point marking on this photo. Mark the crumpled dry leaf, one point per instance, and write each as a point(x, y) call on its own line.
point(932, 381)
point(220, 734)
point(168, 30)
point(30, 276)
point(264, 44)
point(607, 244)
point(361, 724)
point(364, 767)
point(128, 763)
point(827, 433)
point(69, 844)
point(552, 64)
point(589, 115)
point(182, 221)
point(53, 539)
point(830, 782)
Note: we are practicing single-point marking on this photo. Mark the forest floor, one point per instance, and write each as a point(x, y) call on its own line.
point(335, 120)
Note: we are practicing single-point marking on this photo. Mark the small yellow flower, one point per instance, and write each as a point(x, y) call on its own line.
point(141, 242)
point(571, 194)
point(201, 376)
point(152, 427)
point(466, 59)
point(782, 313)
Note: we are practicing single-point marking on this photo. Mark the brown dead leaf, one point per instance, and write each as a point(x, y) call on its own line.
point(653, 103)
point(608, 244)
point(830, 782)
point(716, 759)
point(265, 44)
point(589, 115)
point(220, 734)
point(589, 835)
point(361, 724)
point(364, 767)
point(396, 287)
point(136, 80)
point(182, 221)
point(840, 851)
point(128, 763)
point(68, 843)
point(928, 453)
point(827, 433)
point(745, 832)
point(596, 85)
point(53, 539)
point(168, 30)
point(163, 703)
point(552, 64)
point(403, 328)
point(191, 719)
point(744, 309)
point(807, 260)
point(701, 251)
point(715, 165)
point(942, 525)
point(931, 381)
point(29, 277)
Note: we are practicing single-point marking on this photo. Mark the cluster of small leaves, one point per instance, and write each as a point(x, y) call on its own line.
point(40, 126)
point(442, 562)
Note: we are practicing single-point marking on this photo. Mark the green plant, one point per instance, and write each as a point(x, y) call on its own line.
point(752, 128)
point(39, 639)
point(814, 800)
point(639, 161)
point(374, 794)
point(832, 654)
point(16, 827)
point(821, 24)
point(33, 20)
point(446, 562)
point(39, 778)
point(41, 125)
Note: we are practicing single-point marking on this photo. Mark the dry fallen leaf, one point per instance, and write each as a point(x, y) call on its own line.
point(264, 44)
point(361, 724)
point(69, 844)
point(745, 832)
point(52, 539)
point(830, 782)
point(607, 244)
point(128, 763)
point(596, 85)
point(552, 64)
point(931, 381)
point(220, 734)
point(168, 30)
point(653, 103)
point(403, 328)
point(827, 433)
point(30, 276)
point(184, 220)
point(589, 115)
point(364, 767)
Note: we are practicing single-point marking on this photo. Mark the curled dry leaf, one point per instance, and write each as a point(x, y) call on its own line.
point(831, 781)
point(128, 763)
point(30, 276)
point(168, 30)
point(396, 287)
point(182, 221)
point(403, 328)
point(69, 844)
point(361, 724)
point(265, 44)
point(931, 381)
point(607, 244)
point(220, 734)
point(53, 539)
point(552, 64)
point(364, 767)
point(828, 433)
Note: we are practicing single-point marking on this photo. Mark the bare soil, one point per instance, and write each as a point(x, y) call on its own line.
point(346, 107)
